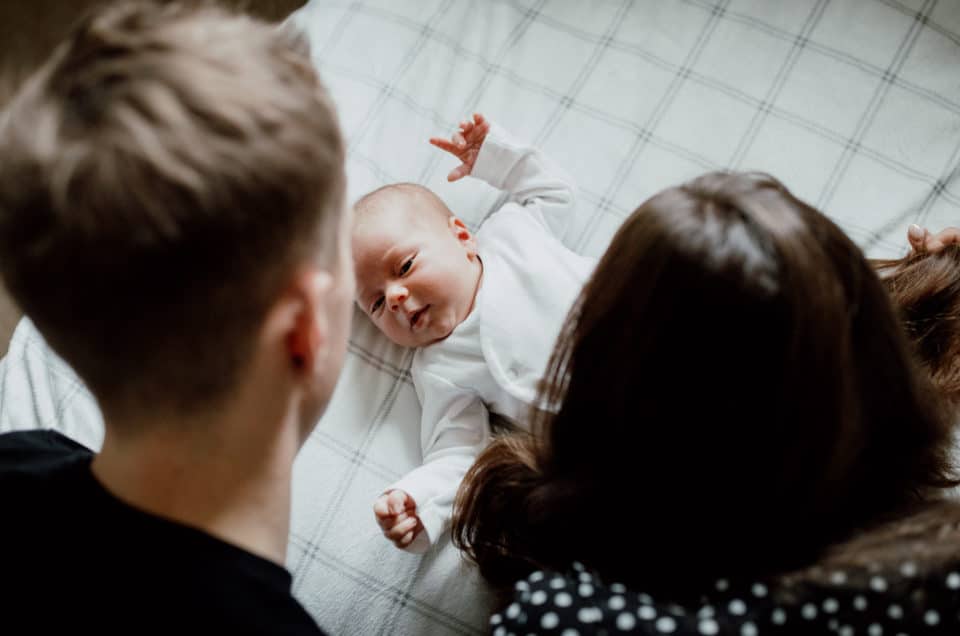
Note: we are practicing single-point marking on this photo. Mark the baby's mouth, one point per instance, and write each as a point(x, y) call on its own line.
point(417, 317)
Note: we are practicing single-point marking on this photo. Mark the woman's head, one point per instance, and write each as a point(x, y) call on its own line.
point(925, 288)
point(733, 394)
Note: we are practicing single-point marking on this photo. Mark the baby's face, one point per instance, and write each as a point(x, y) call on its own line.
point(416, 274)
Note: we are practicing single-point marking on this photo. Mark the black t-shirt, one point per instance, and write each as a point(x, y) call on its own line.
point(75, 559)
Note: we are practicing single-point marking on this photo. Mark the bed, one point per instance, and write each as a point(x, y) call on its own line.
point(854, 104)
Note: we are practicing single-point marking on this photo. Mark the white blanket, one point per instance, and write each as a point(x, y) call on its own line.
point(854, 104)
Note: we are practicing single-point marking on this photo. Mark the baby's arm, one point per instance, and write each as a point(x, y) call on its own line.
point(416, 510)
point(489, 153)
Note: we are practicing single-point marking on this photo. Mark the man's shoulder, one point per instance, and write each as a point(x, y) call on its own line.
point(36, 444)
point(38, 455)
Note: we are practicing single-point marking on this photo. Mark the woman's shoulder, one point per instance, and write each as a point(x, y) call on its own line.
point(578, 601)
point(911, 597)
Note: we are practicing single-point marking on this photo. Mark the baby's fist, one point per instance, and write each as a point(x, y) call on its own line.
point(396, 514)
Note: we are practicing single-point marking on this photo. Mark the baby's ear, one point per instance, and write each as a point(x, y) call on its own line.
point(463, 236)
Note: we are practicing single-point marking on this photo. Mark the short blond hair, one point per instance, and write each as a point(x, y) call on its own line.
point(387, 199)
point(162, 174)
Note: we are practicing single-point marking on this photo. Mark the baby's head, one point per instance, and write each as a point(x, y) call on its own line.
point(416, 264)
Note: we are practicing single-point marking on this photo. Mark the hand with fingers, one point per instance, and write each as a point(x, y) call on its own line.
point(464, 145)
point(922, 240)
point(396, 513)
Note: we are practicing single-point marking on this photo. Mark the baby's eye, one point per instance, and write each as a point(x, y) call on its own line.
point(406, 267)
point(377, 305)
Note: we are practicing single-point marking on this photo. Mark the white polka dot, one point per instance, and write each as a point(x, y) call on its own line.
point(953, 581)
point(500, 631)
point(617, 603)
point(626, 622)
point(536, 576)
point(570, 632)
point(895, 612)
point(859, 603)
point(708, 627)
point(846, 630)
point(830, 605)
point(538, 598)
point(676, 610)
point(931, 617)
point(778, 616)
point(759, 590)
point(549, 620)
point(586, 577)
point(737, 607)
point(589, 615)
point(838, 577)
point(908, 568)
point(578, 566)
point(832, 624)
point(666, 625)
point(748, 629)
point(809, 611)
point(513, 611)
point(706, 612)
point(585, 589)
point(878, 584)
point(875, 630)
point(647, 613)
point(722, 584)
point(562, 599)
point(522, 586)
point(645, 599)
point(618, 588)
point(496, 619)
point(558, 583)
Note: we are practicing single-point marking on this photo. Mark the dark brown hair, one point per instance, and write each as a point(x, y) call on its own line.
point(161, 175)
point(733, 394)
point(925, 288)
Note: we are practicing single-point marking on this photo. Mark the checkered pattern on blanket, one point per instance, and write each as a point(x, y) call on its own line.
point(854, 104)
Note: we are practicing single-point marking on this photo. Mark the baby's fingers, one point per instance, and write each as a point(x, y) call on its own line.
point(381, 507)
point(397, 500)
point(444, 144)
point(459, 172)
point(408, 538)
point(399, 530)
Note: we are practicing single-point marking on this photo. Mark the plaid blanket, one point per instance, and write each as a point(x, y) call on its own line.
point(854, 104)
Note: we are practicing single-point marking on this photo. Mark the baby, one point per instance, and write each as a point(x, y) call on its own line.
point(482, 310)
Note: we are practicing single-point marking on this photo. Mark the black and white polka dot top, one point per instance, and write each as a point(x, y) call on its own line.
point(845, 604)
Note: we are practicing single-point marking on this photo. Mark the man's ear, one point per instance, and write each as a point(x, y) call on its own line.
point(463, 235)
point(300, 317)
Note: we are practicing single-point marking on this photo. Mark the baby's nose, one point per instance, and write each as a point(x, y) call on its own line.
point(396, 296)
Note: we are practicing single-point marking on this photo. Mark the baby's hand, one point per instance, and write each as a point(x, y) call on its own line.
point(464, 145)
point(396, 515)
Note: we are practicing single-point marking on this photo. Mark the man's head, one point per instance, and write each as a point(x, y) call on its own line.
point(167, 175)
point(416, 264)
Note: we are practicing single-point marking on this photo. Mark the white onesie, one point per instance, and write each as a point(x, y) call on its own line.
point(496, 357)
